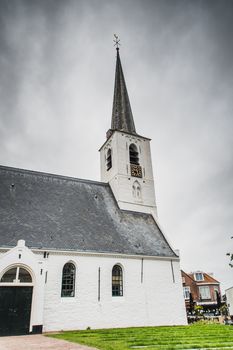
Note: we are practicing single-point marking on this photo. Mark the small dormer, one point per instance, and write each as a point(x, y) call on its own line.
point(198, 276)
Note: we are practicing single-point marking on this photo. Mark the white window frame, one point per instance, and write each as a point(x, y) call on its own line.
point(200, 274)
point(16, 281)
point(186, 289)
point(203, 292)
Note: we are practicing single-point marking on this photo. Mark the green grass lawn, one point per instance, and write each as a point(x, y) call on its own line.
point(212, 336)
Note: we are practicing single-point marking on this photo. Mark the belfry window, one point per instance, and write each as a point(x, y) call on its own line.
point(117, 281)
point(133, 154)
point(109, 159)
point(68, 280)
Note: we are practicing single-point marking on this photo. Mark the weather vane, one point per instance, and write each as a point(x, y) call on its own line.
point(116, 41)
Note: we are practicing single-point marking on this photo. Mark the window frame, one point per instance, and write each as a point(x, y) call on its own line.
point(137, 190)
point(199, 274)
point(109, 159)
point(16, 281)
point(65, 291)
point(117, 289)
point(186, 289)
point(207, 296)
point(133, 158)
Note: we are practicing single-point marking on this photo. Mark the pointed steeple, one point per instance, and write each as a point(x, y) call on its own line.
point(122, 116)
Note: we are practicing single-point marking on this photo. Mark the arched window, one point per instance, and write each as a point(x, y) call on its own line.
point(16, 275)
point(136, 190)
point(117, 281)
point(109, 159)
point(68, 280)
point(133, 154)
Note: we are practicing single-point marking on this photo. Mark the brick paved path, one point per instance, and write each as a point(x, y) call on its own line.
point(38, 342)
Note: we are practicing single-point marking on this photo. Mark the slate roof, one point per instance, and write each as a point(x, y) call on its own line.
point(122, 116)
point(57, 212)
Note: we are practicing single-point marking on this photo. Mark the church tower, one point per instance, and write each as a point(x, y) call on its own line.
point(125, 156)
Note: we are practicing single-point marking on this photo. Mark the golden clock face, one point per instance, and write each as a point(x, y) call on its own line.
point(136, 170)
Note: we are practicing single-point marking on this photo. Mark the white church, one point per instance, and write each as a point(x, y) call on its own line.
point(76, 253)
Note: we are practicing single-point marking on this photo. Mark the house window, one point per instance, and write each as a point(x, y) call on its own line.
point(186, 291)
point(133, 154)
point(117, 281)
point(109, 159)
point(68, 280)
point(199, 276)
point(204, 292)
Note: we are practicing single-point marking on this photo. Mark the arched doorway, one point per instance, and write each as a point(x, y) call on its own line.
point(16, 287)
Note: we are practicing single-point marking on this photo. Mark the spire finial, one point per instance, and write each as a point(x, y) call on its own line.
point(116, 41)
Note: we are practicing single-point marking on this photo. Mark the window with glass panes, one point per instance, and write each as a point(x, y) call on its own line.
point(68, 280)
point(199, 276)
point(186, 291)
point(117, 281)
point(204, 292)
point(16, 275)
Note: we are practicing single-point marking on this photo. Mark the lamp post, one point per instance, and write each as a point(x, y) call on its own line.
point(231, 257)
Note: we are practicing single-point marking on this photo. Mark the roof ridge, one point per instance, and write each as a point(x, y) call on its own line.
point(41, 173)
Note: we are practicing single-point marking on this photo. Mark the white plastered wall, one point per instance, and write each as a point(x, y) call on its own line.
point(157, 299)
point(151, 297)
point(22, 256)
point(229, 296)
point(119, 176)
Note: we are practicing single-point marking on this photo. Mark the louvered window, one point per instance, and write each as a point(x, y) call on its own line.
point(133, 154)
point(109, 159)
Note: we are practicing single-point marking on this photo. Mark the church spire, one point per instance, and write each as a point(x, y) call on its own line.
point(122, 116)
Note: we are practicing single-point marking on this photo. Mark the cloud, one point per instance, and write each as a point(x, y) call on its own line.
point(57, 73)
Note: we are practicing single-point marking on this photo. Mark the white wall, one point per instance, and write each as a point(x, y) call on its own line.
point(119, 176)
point(229, 296)
point(156, 301)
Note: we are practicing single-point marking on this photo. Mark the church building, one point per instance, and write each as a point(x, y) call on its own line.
point(77, 253)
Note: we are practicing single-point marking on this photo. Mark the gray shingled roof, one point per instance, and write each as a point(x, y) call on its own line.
point(122, 116)
point(57, 212)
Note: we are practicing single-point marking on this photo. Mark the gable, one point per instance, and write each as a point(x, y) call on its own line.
point(63, 213)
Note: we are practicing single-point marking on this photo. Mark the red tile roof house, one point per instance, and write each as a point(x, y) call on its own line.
point(204, 290)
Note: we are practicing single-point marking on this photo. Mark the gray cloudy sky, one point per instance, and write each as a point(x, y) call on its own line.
point(57, 65)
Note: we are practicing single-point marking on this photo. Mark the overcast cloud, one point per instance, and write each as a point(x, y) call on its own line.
point(57, 65)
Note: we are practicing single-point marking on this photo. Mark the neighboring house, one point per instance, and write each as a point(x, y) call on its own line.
point(204, 290)
point(76, 253)
point(229, 300)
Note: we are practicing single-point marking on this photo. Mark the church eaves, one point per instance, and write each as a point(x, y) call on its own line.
point(122, 116)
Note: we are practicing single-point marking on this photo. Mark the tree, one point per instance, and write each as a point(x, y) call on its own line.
point(198, 310)
point(218, 299)
point(224, 310)
point(191, 303)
